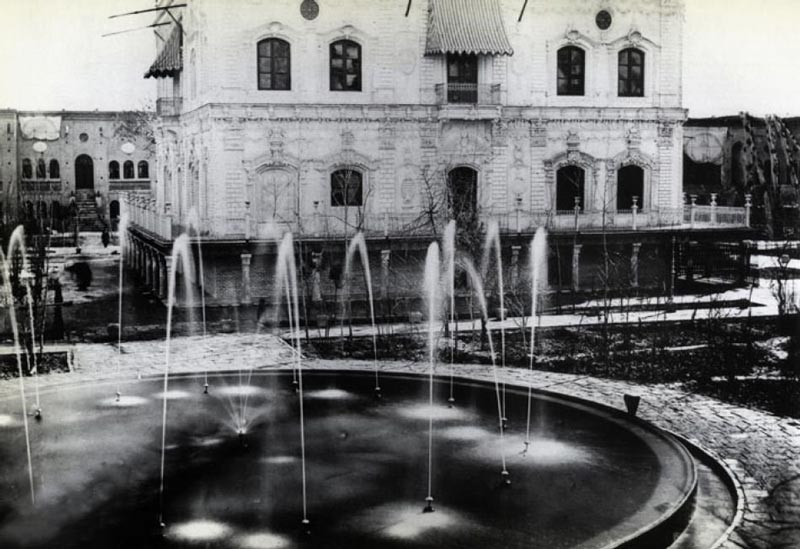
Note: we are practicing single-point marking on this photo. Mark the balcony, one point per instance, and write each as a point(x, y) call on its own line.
point(467, 94)
point(40, 185)
point(169, 106)
point(327, 226)
point(125, 185)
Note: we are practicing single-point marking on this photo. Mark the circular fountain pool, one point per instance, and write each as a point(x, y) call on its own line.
point(588, 479)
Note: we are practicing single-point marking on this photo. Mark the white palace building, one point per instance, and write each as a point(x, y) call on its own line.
point(392, 116)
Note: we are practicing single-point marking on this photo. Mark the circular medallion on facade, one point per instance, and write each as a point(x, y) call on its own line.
point(40, 146)
point(309, 9)
point(603, 19)
point(84, 137)
point(128, 148)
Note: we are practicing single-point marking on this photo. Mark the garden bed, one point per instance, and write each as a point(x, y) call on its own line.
point(46, 363)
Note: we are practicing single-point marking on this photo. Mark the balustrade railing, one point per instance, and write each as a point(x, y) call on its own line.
point(142, 213)
point(470, 94)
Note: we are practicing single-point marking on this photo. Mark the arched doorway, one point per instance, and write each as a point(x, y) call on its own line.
point(630, 183)
point(113, 209)
point(462, 193)
point(570, 182)
point(84, 173)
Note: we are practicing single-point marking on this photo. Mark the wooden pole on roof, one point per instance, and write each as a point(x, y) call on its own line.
point(522, 11)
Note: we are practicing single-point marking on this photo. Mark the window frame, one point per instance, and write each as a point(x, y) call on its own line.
point(571, 89)
point(272, 40)
point(54, 164)
point(41, 169)
point(125, 165)
point(580, 185)
point(27, 168)
point(113, 170)
point(341, 194)
point(628, 79)
point(335, 73)
point(140, 173)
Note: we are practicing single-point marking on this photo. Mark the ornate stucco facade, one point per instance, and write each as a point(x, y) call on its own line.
point(248, 160)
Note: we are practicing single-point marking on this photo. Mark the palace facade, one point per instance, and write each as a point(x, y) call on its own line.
point(392, 117)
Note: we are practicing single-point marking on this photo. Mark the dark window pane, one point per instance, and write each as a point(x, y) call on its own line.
point(274, 59)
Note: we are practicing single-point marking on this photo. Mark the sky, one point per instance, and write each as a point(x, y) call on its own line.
point(738, 55)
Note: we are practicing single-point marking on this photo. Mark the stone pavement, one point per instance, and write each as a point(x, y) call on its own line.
point(761, 449)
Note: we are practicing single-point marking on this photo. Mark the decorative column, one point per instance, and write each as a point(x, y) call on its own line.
point(386, 256)
point(316, 290)
point(748, 204)
point(635, 211)
point(713, 208)
point(576, 266)
point(166, 269)
point(515, 265)
point(247, 297)
point(635, 264)
point(692, 208)
point(148, 268)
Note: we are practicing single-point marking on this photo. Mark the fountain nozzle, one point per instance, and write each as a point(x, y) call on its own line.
point(504, 421)
point(451, 401)
point(306, 525)
point(38, 413)
point(118, 395)
point(428, 505)
point(205, 388)
point(506, 478)
point(377, 392)
point(296, 385)
point(242, 437)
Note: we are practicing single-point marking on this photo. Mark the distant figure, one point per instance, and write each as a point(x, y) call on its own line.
point(105, 238)
point(82, 273)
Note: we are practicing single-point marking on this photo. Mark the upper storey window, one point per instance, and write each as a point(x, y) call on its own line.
point(631, 73)
point(462, 78)
point(274, 65)
point(571, 70)
point(345, 66)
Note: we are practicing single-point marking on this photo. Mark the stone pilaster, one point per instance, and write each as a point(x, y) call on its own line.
point(247, 296)
point(576, 266)
point(635, 264)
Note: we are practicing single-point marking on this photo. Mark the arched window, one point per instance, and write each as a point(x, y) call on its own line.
point(27, 169)
point(462, 187)
point(569, 188)
point(571, 70)
point(631, 73)
point(345, 66)
point(630, 183)
point(41, 170)
point(127, 170)
point(55, 171)
point(274, 65)
point(144, 170)
point(113, 170)
point(347, 188)
point(113, 209)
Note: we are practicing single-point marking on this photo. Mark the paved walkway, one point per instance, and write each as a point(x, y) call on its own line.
point(762, 450)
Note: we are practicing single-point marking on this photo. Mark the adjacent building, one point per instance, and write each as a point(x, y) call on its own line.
point(392, 117)
point(56, 167)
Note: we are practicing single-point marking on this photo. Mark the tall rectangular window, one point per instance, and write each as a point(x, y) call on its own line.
point(345, 66)
point(631, 73)
point(347, 188)
point(274, 65)
point(571, 71)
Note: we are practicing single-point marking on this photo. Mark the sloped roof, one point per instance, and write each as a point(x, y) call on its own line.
point(466, 26)
point(169, 61)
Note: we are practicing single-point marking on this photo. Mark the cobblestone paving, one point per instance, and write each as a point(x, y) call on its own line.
point(760, 448)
